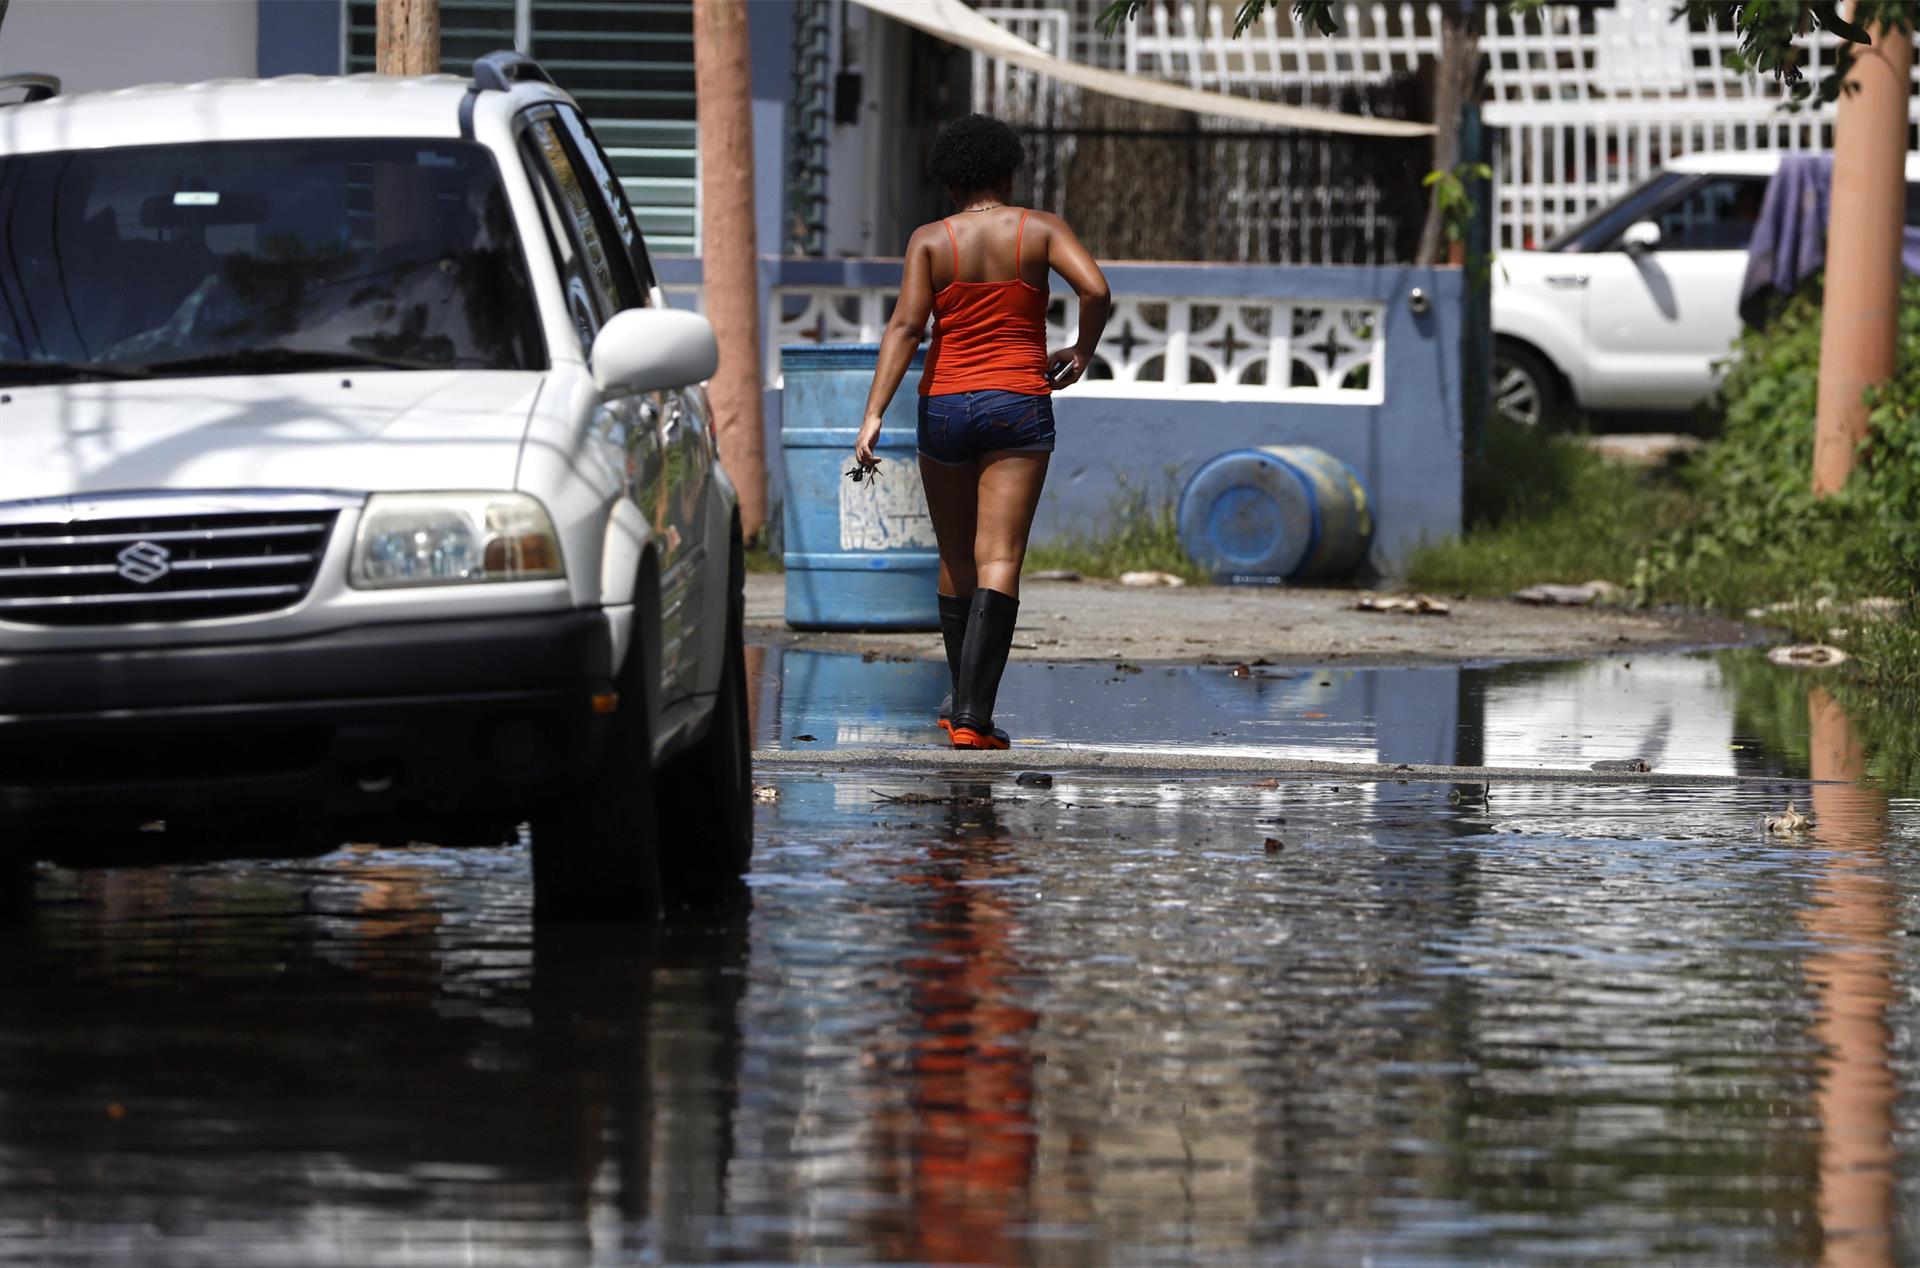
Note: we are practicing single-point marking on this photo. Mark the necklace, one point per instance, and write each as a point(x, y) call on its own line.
point(988, 207)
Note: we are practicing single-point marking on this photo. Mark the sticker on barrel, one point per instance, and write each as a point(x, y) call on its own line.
point(888, 512)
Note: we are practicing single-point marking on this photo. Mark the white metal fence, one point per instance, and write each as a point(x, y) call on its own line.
point(1586, 101)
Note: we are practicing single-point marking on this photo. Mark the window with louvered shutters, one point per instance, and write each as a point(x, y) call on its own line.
point(629, 63)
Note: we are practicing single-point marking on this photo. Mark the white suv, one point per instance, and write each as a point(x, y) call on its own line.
point(357, 483)
point(1631, 308)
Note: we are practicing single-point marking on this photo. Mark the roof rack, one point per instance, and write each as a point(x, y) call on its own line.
point(39, 85)
point(502, 70)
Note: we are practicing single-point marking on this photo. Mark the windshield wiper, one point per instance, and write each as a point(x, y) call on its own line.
point(21, 373)
point(268, 359)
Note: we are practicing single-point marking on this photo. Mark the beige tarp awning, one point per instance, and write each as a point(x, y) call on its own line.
point(954, 22)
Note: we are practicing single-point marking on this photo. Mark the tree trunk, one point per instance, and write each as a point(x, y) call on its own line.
point(407, 37)
point(729, 255)
point(1456, 79)
point(1860, 306)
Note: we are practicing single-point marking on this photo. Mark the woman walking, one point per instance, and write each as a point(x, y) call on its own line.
point(986, 417)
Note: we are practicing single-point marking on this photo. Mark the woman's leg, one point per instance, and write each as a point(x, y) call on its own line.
point(1009, 489)
point(951, 500)
point(1008, 493)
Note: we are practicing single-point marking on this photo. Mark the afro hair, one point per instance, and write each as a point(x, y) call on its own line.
point(975, 152)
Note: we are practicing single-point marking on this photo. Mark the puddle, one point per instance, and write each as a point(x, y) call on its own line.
point(1684, 714)
point(1121, 1019)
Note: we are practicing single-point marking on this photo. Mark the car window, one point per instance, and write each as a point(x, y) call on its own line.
point(1602, 226)
point(581, 309)
point(233, 256)
point(613, 194)
point(587, 255)
point(1715, 215)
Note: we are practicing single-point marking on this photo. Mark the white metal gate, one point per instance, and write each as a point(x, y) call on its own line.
point(1585, 101)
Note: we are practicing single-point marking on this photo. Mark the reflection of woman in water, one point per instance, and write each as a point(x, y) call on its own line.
point(986, 419)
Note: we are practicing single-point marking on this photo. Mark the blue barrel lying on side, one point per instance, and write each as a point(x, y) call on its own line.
point(858, 556)
point(1279, 513)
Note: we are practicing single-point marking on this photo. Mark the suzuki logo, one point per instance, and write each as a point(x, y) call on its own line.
point(145, 562)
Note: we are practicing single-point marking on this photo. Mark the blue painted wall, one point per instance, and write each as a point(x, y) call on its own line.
point(299, 37)
point(1407, 448)
point(770, 47)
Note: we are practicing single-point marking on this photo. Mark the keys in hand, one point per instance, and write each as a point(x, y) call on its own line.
point(863, 470)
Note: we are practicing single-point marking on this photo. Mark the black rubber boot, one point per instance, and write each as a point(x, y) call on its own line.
point(983, 658)
point(953, 629)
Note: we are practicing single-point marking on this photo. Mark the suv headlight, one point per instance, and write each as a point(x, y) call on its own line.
point(438, 539)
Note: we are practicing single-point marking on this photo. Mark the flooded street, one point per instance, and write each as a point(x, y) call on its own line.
point(1195, 1019)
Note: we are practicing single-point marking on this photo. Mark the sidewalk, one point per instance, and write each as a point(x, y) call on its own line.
point(1096, 620)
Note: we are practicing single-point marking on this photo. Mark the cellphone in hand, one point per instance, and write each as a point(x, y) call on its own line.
point(1058, 373)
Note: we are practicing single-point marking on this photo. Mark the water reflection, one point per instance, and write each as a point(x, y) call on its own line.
point(1853, 917)
point(964, 1132)
point(1704, 714)
point(969, 1021)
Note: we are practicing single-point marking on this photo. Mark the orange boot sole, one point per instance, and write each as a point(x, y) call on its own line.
point(967, 737)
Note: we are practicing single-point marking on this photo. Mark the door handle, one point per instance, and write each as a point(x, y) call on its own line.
point(1565, 280)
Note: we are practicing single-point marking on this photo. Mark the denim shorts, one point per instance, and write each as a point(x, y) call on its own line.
point(957, 428)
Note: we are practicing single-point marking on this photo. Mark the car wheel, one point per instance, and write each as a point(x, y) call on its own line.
point(706, 793)
point(594, 855)
point(1525, 388)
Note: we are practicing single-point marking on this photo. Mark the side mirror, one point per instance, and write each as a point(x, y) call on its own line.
point(647, 349)
point(1640, 237)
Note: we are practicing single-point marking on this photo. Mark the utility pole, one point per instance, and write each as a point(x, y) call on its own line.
point(406, 37)
point(1860, 308)
point(729, 254)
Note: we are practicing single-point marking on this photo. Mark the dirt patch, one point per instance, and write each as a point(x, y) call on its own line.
point(1094, 620)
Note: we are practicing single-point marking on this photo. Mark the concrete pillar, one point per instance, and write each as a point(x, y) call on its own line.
point(729, 252)
point(1861, 304)
point(407, 37)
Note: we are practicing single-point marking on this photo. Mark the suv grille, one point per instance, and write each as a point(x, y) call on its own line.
point(159, 567)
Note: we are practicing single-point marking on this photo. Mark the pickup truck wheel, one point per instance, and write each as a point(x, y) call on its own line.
point(594, 853)
point(1525, 388)
point(706, 793)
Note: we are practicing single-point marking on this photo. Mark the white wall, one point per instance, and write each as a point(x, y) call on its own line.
point(94, 44)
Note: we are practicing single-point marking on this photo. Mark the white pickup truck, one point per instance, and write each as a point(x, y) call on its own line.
point(356, 482)
point(1630, 308)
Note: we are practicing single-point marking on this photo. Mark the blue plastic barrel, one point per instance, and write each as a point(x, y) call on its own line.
point(1279, 513)
point(858, 556)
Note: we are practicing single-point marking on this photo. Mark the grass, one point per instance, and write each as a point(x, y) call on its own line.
point(1545, 508)
point(1141, 535)
point(762, 557)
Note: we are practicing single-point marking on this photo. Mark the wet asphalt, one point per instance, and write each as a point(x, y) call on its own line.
point(1136, 1015)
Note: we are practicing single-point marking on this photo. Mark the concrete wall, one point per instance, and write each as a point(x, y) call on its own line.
point(300, 37)
point(1407, 448)
point(96, 44)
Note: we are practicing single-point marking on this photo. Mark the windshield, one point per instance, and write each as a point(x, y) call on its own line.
point(252, 256)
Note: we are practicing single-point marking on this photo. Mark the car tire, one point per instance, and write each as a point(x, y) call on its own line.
point(595, 847)
point(1526, 389)
point(706, 792)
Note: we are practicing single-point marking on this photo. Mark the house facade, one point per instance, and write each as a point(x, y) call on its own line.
point(1360, 359)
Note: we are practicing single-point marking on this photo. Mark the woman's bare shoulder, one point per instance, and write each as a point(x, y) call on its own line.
point(926, 234)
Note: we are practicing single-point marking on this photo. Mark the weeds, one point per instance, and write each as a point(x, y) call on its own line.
point(1142, 533)
point(1542, 507)
point(1733, 528)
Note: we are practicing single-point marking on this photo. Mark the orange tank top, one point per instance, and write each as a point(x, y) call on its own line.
point(987, 336)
